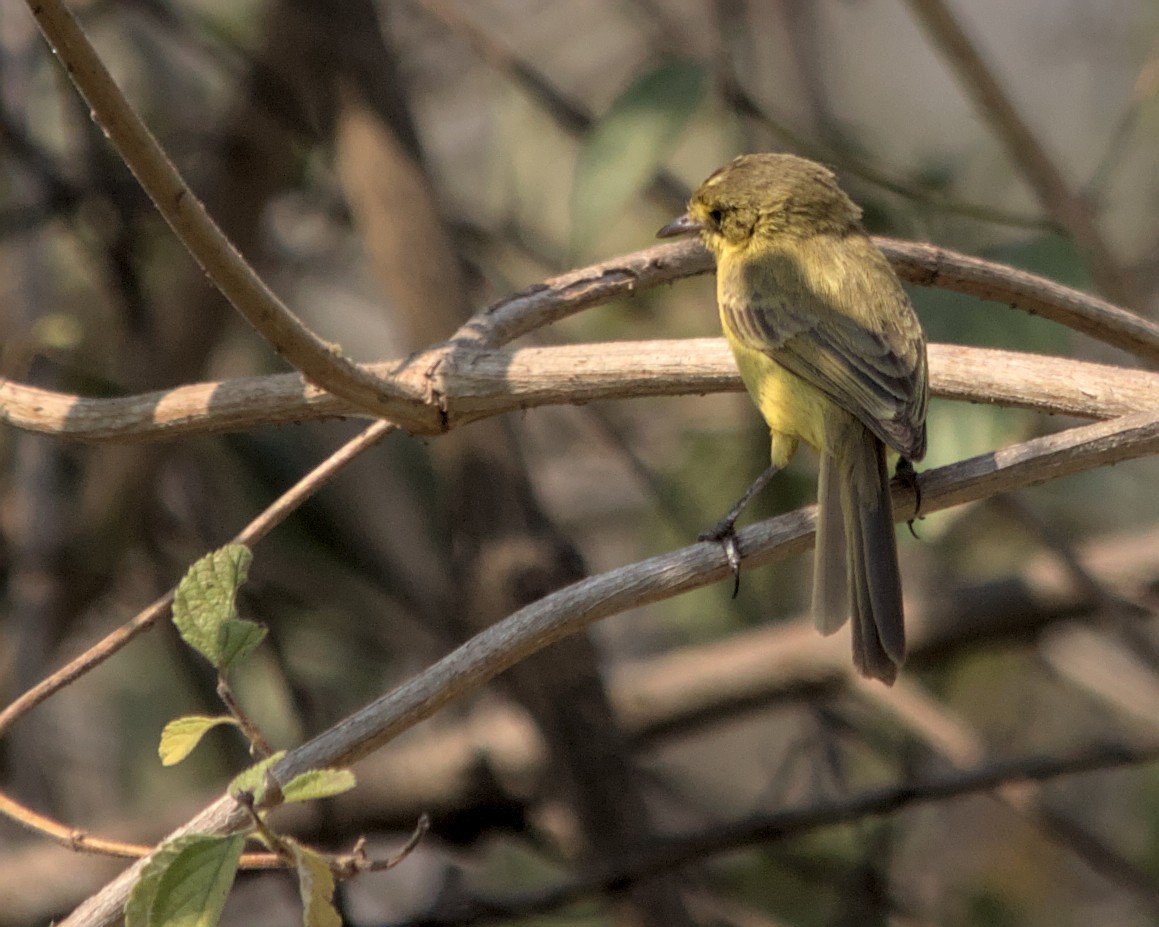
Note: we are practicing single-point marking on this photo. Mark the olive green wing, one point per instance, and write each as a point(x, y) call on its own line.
point(877, 372)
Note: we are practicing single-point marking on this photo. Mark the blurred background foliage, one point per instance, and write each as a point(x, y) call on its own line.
point(391, 166)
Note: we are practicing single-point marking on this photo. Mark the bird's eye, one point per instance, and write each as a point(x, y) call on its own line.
point(715, 216)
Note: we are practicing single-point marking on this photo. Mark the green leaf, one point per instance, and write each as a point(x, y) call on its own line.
point(236, 639)
point(181, 735)
point(318, 783)
point(204, 610)
point(315, 885)
point(253, 780)
point(185, 883)
point(629, 144)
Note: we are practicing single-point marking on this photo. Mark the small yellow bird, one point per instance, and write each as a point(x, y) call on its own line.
point(832, 353)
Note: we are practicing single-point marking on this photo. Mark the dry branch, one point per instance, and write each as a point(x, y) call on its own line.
point(454, 384)
point(929, 265)
point(562, 613)
point(461, 380)
point(319, 362)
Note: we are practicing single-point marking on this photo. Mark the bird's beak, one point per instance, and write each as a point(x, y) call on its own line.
point(685, 225)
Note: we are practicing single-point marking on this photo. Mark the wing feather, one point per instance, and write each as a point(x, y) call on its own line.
point(875, 370)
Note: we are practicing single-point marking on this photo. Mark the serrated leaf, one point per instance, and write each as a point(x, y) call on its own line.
point(318, 783)
point(185, 883)
point(253, 780)
point(204, 601)
point(316, 887)
point(629, 144)
point(182, 735)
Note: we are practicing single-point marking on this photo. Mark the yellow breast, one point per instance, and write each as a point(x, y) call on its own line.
point(794, 410)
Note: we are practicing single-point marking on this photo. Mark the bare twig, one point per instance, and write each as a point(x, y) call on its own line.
point(564, 612)
point(1068, 208)
point(350, 865)
point(81, 841)
point(780, 825)
point(568, 113)
point(257, 529)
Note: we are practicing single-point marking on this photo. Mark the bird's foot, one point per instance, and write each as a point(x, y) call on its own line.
point(724, 533)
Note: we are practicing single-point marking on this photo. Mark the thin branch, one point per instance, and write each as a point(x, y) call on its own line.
point(662, 577)
point(780, 825)
point(674, 694)
point(566, 611)
point(359, 862)
point(851, 164)
point(572, 115)
point(257, 529)
point(1068, 208)
point(258, 744)
point(81, 841)
point(953, 739)
point(318, 361)
point(921, 264)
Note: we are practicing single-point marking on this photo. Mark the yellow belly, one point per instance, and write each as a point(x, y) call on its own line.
point(794, 410)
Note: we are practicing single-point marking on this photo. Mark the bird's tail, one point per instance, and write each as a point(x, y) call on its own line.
point(830, 566)
point(856, 567)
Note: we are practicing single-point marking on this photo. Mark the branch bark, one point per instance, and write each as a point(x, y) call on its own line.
point(454, 384)
point(564, 612)
point(319, 362)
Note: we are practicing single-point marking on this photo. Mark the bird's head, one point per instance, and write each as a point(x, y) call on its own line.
point(765, 196)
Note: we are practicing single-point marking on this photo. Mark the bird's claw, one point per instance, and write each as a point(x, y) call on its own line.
point(725, 535)
point(905, 474)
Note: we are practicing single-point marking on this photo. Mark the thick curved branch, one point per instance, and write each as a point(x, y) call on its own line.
point(662, 577)
point(921, 264)
point(566, 611)
point(318, 361)
point(929, 265)
point(420, 403)
point(454, 384)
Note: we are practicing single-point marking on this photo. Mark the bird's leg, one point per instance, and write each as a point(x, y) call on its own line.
point(724, 532)
point(905, 474)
